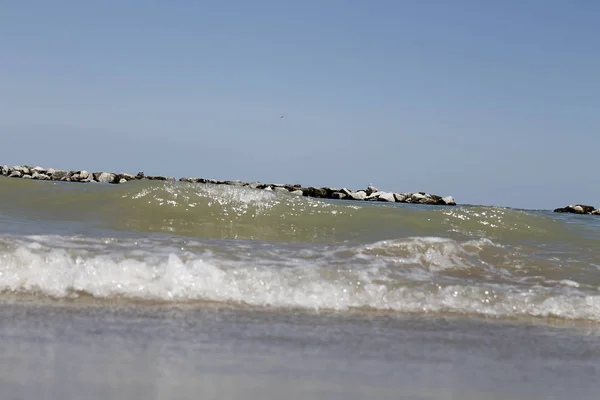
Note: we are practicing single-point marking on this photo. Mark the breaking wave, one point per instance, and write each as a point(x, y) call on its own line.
point(408, 275)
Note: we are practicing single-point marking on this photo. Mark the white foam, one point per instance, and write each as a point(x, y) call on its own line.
point(320, 279)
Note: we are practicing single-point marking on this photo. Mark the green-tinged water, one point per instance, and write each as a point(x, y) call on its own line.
point(181, 242)
point(154, 290)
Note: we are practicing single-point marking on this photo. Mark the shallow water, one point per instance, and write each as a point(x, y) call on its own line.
point(165, 352)
point(173, 290)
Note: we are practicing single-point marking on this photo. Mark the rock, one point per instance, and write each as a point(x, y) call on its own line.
point(104, 177)
point(576, 209)
point(315, 192)
point(373, 196)
point(385, 196)
point(280, 189)
point(428, 200)
point(58, 174)
point(22, 169)
point(297, 192)
point(122, 180)
point(39, 170)
point(15, 174)
point(84, 174)
point(339, 195)
point(400, 197)
point(234, 183)
point(448, 200)
point(26, 176)
point(360, 195)
point(596, 212)
point(346, 192)
point(371, 189)
point(416, 198)
point(39, 176)
point(254, 185)
point(268, 188)
point(127, 177)
point(140, 175)
point(77, 178)
point(4, 170)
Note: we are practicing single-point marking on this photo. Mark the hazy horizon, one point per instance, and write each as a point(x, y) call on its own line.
point(492, 103)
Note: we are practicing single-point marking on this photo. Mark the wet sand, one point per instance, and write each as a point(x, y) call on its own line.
point(53, 351)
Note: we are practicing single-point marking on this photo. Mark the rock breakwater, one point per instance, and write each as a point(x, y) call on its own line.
point(371, 193)
point(578, 209)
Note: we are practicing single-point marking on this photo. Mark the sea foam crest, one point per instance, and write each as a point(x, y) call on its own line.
point(280, 278)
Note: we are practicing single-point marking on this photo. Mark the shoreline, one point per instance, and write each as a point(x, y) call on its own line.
point(371, 193)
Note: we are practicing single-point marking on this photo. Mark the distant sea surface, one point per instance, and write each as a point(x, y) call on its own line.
point(164, 290)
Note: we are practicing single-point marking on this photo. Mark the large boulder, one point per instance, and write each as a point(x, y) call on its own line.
point(105, 177)
point(360, 195)
point(386, 196)
point(58, 174)
point(448, 200)
point(338, 195)
point(576, 209)
point(371, 189)
point(320, 193)
point(401, 197)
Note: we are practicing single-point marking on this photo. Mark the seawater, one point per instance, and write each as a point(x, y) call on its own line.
point(227, 270)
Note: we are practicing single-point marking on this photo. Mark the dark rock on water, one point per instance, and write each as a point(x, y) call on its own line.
point(578, 209)
point(338, 195)
point(371, 193)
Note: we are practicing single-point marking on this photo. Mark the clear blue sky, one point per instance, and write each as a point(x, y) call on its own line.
point(494, 102)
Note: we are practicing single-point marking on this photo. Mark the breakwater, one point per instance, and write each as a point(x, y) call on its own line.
point(371, 193)
point(579, 209)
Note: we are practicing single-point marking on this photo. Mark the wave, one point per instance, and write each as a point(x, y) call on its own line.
point(227, 212)
point(409, 275)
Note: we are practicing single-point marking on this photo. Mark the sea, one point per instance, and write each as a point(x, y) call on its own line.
point(173, 290)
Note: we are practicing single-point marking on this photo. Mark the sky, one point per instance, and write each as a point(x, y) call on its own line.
point(492, 102)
